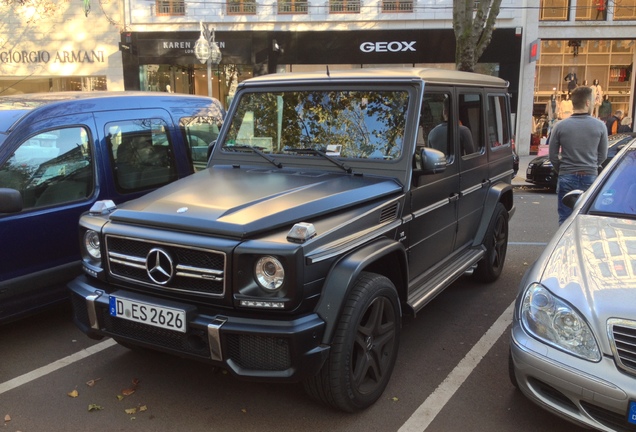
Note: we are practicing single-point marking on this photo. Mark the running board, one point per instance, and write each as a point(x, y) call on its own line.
point(423, 291)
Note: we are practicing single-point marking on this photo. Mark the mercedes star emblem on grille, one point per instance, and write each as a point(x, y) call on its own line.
point(159, 266)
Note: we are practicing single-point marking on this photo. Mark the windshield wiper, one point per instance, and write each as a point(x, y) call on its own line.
point(254, 150)
point(322, 154)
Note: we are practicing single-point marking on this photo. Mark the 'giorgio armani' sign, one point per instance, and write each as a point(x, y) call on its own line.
point(80, 56)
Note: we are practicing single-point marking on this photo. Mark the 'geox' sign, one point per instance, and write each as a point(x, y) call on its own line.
point(395, 46)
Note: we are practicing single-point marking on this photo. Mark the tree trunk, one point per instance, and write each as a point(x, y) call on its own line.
point(473, 23)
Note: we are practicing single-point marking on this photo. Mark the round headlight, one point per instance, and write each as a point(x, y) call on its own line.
point(269, 273)
point(92, 244)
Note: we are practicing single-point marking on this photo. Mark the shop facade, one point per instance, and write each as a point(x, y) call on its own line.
point(605, 65)
point(63, 51)
point(155, 60)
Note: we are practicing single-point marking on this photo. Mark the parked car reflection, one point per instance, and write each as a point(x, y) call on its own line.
point(573, 341)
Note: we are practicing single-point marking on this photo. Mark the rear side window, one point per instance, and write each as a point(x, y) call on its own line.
point(469, 107)
point(51, 168)
point(498, 127)
point(142, 154)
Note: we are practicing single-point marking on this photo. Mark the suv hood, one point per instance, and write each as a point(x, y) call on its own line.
point(240, 202)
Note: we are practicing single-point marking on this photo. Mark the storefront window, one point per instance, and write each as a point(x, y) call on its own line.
point(625, 10)
point(554, 10)
point(22, 85)
point(591, 10)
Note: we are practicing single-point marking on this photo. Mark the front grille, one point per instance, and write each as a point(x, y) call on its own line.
point(263, 353)
point(615, 421)
point(193, 270)
point(623, 339)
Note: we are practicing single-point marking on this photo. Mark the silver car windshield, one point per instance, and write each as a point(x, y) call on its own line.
point(340, 123)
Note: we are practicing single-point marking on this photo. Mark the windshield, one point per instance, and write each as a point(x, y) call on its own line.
point(362, 124)
point(618, 194)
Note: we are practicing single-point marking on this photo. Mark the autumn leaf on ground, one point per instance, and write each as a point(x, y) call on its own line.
point(131, 411)
point(7, 418)
point(131, 390)
point(394, 398)
point(73, 394)
point(120, 398)
point(244, 410)
point(92, 382)
point(95, 407)
point(143, 408)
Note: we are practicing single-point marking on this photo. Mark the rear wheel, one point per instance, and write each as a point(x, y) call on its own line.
point(496, 242)
point(364, 349)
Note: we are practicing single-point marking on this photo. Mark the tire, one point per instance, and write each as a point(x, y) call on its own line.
point(364, 348)
point(490, 266)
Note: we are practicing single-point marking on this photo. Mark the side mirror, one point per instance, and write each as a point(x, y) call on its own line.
point(10, 201)
point(571, 198)
point(432, 161)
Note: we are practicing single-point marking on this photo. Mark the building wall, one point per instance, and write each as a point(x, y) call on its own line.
point(64, 43)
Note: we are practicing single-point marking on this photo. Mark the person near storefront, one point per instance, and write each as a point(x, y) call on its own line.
point(614, 122)
point(577, 147)
point(597, 93)
point(626, 125)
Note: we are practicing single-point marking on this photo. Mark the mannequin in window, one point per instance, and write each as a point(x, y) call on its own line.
point(597, 97)
point(572, 81)
point(605, 110)
point(601, 10)
point(566, 106)
point(552, 110)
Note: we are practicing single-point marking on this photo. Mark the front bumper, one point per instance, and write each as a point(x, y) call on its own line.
point(592, 394)
point(258, 349)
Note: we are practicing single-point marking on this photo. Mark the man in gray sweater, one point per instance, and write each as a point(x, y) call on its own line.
point(578, 146)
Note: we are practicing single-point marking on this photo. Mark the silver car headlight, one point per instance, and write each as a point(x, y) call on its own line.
point(91, 246)
point(269, 273)
point(556, 323)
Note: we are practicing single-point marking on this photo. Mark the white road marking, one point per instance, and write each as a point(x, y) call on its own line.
point(52, 367)
point(426, 413)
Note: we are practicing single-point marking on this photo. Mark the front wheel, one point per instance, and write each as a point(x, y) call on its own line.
point(364, 349)
point(496, 242)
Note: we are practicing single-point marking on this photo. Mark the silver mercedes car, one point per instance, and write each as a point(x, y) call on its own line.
point(573, 339)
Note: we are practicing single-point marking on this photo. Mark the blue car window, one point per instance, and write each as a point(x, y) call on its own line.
point(142, 154)
point(51, 168)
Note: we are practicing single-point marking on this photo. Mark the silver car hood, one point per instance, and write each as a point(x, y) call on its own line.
point(593, 267)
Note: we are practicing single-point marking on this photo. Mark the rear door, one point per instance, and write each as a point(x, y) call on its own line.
point(473, 163)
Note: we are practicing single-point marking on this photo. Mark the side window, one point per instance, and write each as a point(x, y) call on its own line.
point(199, 132)
point(470, 130)
point(51, 168)
point(435, 115)
point(142, 154)
point(498, 127)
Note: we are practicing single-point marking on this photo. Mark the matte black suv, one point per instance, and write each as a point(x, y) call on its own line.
point(333, 204)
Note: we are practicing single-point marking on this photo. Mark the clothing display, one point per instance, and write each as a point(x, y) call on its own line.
point(605, 110)
point(597, 97)
point(566, 108)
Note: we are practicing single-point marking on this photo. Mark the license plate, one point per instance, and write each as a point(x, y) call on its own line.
point(146, 313)
point(529, 170)
point(631, 413)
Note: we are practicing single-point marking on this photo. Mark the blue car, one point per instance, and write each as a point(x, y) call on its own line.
point(62, 152)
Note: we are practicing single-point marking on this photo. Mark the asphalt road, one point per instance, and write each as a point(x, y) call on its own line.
point(451, 373)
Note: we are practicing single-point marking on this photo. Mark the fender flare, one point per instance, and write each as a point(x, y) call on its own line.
point(495, 195)
point(343, 275)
